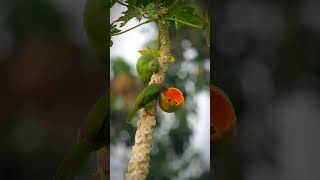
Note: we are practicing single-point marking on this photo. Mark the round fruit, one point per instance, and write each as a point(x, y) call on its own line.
point(171, 99)
point(222, 114)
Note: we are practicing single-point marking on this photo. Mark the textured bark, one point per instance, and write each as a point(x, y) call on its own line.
point(138, 168)
point(103, 170)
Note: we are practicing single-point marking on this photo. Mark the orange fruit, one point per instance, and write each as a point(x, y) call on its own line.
point(222, 114)
point(171, 99)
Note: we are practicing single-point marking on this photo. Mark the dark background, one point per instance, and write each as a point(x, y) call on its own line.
point(48, 82)
point(268, 62)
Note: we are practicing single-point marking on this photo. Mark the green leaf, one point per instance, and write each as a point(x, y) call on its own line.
point(184, 14)
point(168, 2)
point(151, 10)
point(132, 12)
point(138, 3)
point(114, 29)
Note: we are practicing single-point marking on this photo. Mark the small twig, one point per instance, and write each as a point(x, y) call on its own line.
point(133, 27)
point(183, 22)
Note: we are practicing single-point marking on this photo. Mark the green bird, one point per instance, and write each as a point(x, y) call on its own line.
point(93, 135)
point(96, 14)
point(149, 94)
point(146, 65)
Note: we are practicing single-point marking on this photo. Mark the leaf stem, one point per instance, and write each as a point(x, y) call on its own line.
point(183, 22)
point(150, 20)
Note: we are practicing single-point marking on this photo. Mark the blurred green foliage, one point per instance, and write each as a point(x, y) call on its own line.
point(48, 84)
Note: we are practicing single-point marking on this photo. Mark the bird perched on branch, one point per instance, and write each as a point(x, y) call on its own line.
point(93, 135)
point(150, 93)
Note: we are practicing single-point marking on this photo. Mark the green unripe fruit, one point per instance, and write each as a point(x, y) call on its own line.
point(146, 66)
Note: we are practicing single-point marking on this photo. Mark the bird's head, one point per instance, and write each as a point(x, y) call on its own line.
point(163, 86)
point(154, 65)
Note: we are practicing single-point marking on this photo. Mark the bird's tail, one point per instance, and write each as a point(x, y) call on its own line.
point(132, 113)
point(73, 161)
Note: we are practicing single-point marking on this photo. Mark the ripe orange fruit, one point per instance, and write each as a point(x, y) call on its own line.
point(222, 114)
point(171, 99)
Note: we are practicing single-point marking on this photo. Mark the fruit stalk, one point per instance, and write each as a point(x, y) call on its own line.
point(138, 167)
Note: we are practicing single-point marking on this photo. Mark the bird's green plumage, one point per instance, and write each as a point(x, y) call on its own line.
point(132, 113)
point(93, 135)
point(72, 162)
point(149, 94)
point(96, 119)
point(146, 65)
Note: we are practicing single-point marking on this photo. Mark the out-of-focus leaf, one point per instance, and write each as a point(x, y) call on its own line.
point(138, 9)
point(138, 2)
point(168, 2)
point(120, 66)
point(113, 30)
point(184, 13)
point(132, 12)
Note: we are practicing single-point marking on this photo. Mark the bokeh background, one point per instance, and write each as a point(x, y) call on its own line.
point(48, 82)
point(268, 62)
point(181, 147)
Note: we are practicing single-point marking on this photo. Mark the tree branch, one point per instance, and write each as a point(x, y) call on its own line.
point(103, 170)
point(138, 168)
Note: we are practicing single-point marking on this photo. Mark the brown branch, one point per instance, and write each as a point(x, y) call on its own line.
point(138, 168)
point(103, 170)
